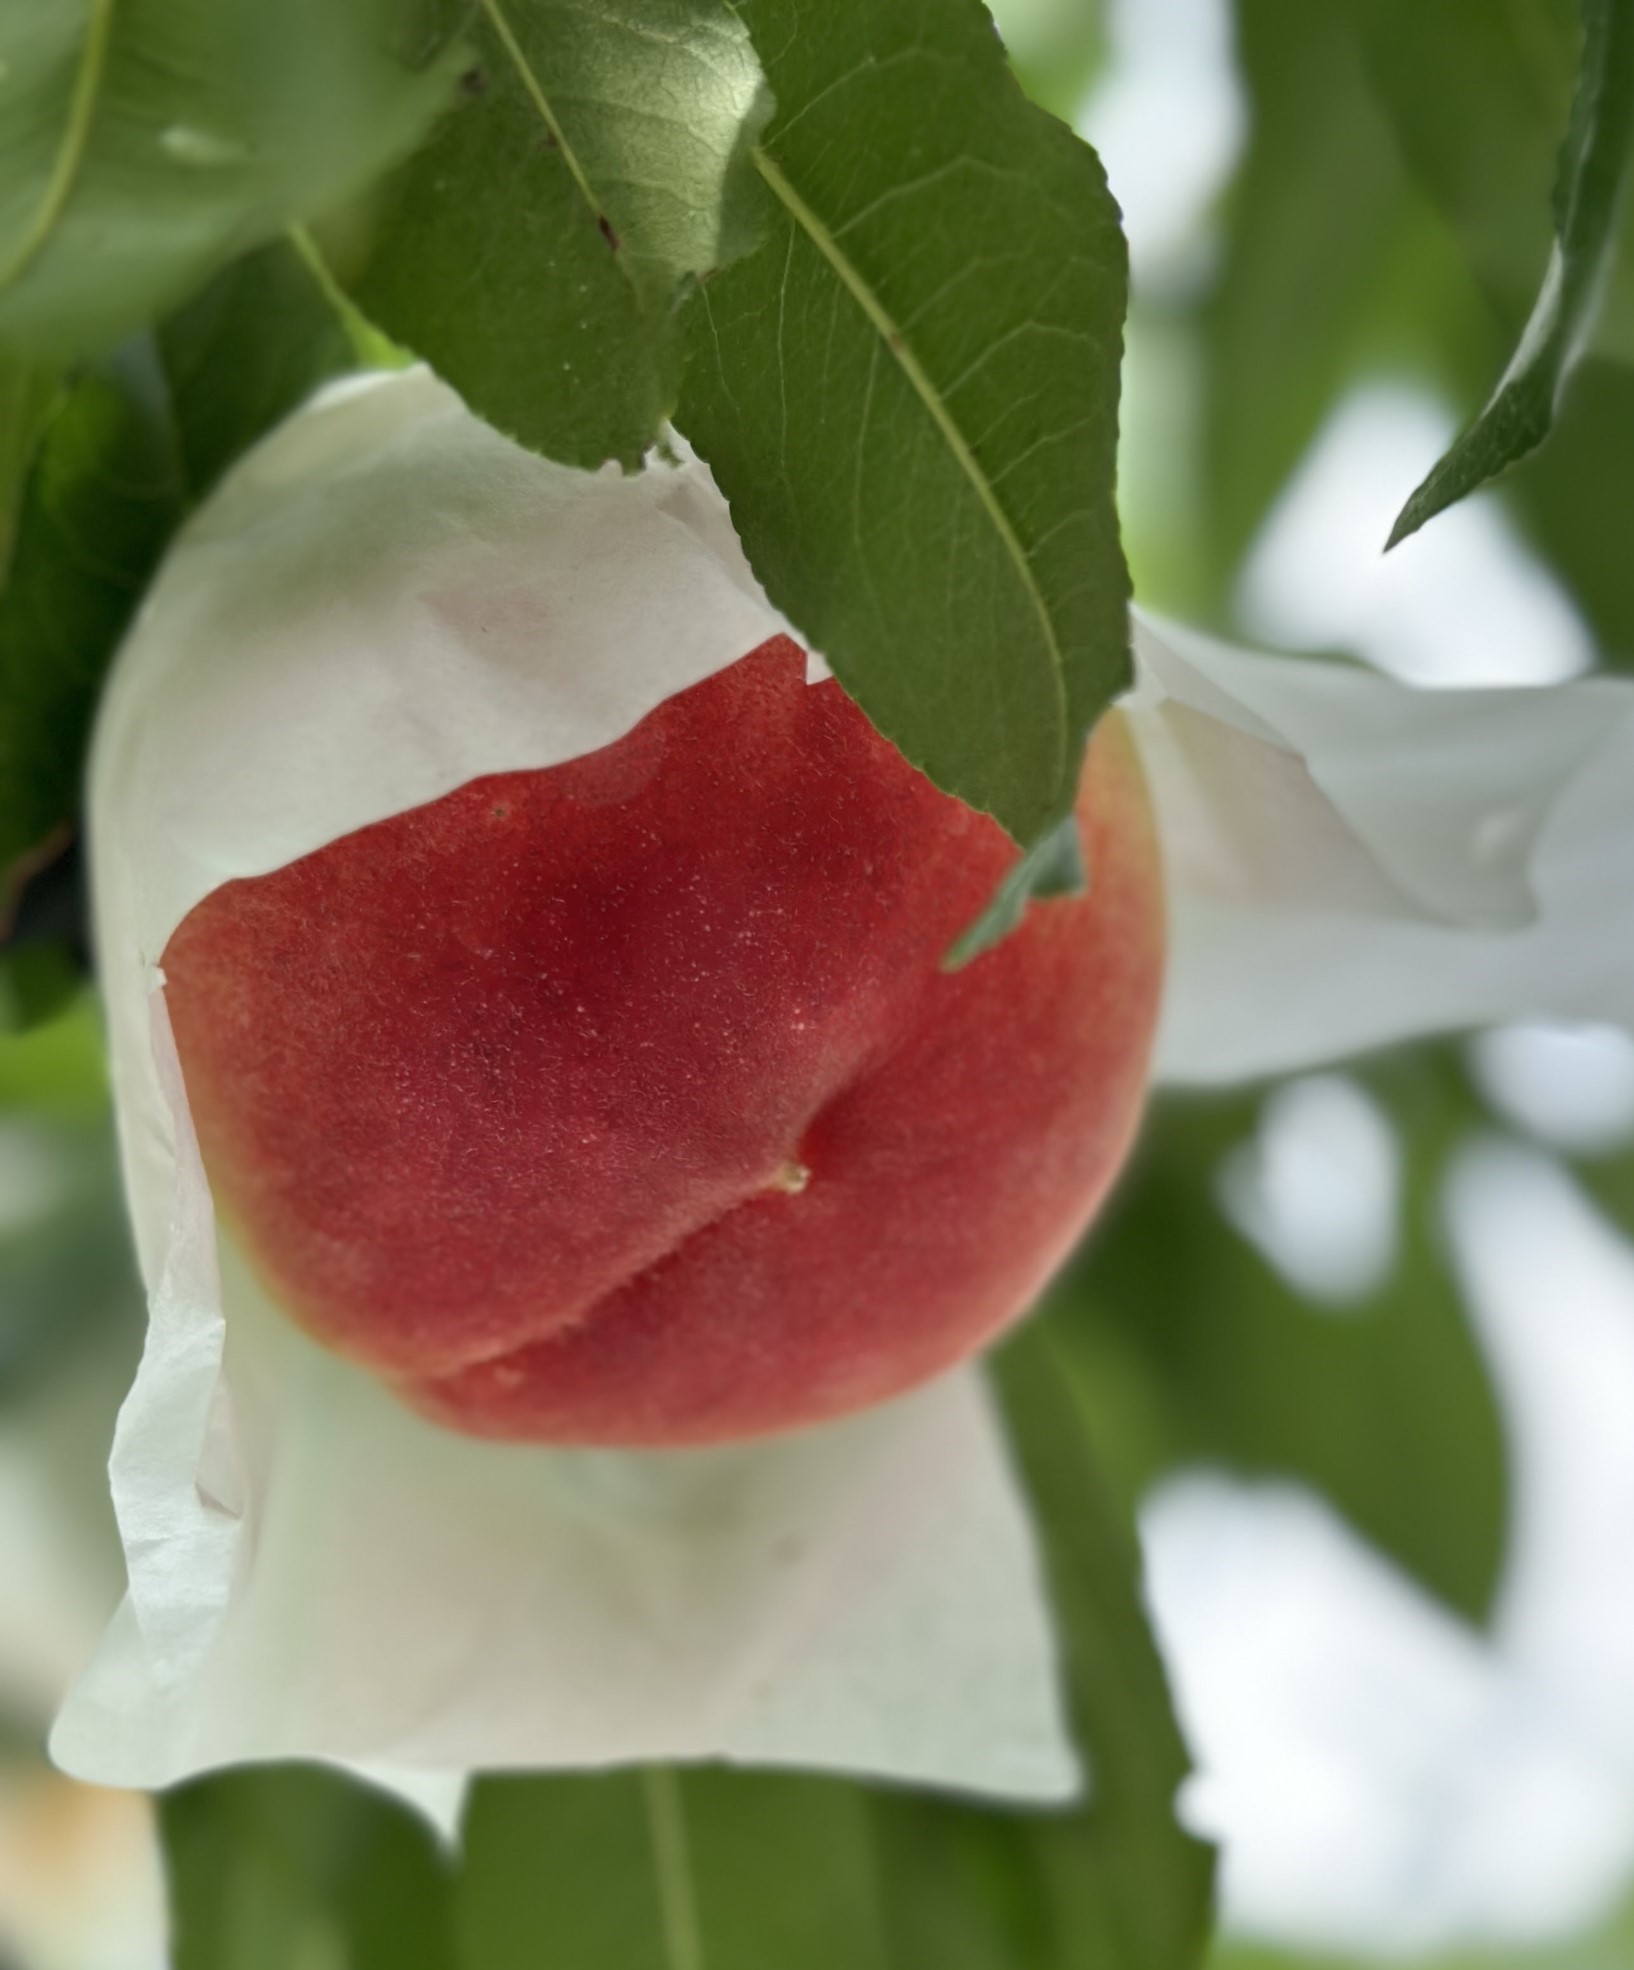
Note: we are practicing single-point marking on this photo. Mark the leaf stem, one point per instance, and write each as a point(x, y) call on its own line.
point(372, 348)
point(75, 137)
point(677, 1904)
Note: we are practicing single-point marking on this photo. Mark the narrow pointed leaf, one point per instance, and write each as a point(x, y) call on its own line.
point(909, 394)
point(1588, 199)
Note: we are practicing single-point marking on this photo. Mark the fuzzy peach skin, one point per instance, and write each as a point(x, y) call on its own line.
point(626, 1102)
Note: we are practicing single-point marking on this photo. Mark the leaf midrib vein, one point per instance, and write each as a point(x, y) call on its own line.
point(541, 102)
point(672, 1865)
point(897, 343)
point(76, 138)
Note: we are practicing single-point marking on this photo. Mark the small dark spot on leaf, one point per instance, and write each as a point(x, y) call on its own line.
point(607, 232)
point(474, 82)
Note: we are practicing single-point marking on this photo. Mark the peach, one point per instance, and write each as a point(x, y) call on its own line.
point(628, 1102)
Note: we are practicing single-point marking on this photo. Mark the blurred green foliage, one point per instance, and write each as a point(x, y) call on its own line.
point(1390, 217)
point(1195, 1349)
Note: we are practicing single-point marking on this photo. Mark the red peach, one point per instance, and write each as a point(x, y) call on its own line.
point(627, 1102)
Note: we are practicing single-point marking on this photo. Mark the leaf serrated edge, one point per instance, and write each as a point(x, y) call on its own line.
point(75, 139)
point(897, 343)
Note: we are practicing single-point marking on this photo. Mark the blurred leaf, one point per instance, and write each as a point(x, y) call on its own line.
point(28, 389)
point(143, 145)
point(665, 1870)
point(533, 251)
point(1193, 1348)
point(1477, 96)
point(66, 1267)
point(1115, 1881)
point(1576, 498)
point(1334, 267)
point(37, 982)
point(292, 1868)
point(909, 395)
point(244, 353)
point(1607, 1945)
point(66, 1270)
point(45, 950)
point(57, 1068)
point(1587, 209)
point(102, 498)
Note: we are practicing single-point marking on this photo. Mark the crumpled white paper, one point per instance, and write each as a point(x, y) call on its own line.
point(1354, 861)
point(386, 599)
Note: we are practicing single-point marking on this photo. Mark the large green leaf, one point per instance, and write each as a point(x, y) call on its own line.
point(909, 394)
point(143, 143)
point(1194, 1349)
point(533, 251)
point(1587, 204)
point(102, 497)
point(277, 1867)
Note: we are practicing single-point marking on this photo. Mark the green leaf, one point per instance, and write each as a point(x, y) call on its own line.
point(28, 388)
point(663, 1870)
point(1576, 498)
point(102, 498)
point(244, 353)
point(1115, 1881)
point(533, 251)
point(143, 143)
point(1587, 209)
point(1194, 1349)
point(1604, 1944)
point(1477, 97)
point(66, 1276)
point(1334, 267)
point(283, 1866)
point(1053, 866)
point(57, 1068)
point(908, 394)
point(37, 981)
